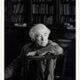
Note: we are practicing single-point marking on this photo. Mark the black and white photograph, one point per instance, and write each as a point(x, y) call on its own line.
point(39, 39)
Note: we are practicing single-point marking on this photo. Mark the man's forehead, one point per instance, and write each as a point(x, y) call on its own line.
point(42, 33)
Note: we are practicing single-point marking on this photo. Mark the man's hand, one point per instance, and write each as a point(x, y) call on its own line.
point(49, 49)
point(42, 54)
point(9, 72)
point(31, 53)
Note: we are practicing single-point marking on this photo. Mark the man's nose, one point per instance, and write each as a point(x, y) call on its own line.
point(43, 39)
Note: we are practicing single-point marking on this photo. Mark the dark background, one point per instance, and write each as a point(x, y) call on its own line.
point(17, 36)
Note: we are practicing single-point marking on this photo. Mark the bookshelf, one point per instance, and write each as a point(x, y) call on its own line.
point(44, 11)
point(67, 13)
point(52, 13)
point(17, 12)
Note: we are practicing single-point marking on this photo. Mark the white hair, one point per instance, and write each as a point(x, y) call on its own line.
point(37, 29)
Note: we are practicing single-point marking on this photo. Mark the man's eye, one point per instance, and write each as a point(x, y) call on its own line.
point(38, 37)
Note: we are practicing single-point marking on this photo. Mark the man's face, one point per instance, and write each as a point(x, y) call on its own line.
point(42, 39)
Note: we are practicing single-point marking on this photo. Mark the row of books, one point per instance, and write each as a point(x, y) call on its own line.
point(42, 9)
point(67, 0)
point(18, 8)
point(67, 9)
point(17, 18)
point(43, 19)
point(17, 1)
point(67, 19)
point(42, 0)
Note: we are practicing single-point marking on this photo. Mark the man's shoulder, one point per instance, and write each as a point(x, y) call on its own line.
point(27, 45)
point(52, 42)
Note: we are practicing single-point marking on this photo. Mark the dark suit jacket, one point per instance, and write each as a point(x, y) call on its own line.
point(33, 68)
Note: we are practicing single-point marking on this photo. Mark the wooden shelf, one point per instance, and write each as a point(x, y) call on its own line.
point(42, 2)
point(67, 15)
point(68, 2)
point(43, 14)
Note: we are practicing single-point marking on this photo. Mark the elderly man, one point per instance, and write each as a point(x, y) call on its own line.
point(41, 47)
